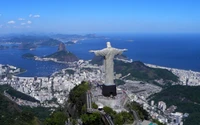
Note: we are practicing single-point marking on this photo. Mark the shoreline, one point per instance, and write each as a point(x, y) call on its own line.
point(19, 73)
point(169, 68)
point(186, 77)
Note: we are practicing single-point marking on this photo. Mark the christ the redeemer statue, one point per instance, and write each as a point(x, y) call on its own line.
point(109, 88)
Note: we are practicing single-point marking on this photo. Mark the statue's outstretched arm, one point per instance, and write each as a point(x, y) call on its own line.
point(124, 49)
point(92, 51)
point(119, 51)
point(99, 52)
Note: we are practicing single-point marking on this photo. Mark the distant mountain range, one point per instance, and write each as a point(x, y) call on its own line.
point(32, 41)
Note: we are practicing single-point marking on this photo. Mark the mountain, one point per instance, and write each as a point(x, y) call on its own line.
point(186, 98)
point(63, 55)
point(50, 42)
point(138, 70)
point(11, 114)
point(61, 47)
point(27, 46)
point(16, 94)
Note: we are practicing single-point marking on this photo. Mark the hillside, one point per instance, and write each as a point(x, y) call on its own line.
point(63, 56)
point(186, 98)
point(50, 42)
point(27, 45)
point(14, 93)
point(11, 114)
point(138, 70)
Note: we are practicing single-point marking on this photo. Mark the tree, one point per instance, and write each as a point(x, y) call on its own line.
point(77, 97)
point(94, 105)
point(91, 119)
point(123, 118)
point(57, 118)
point(108, 110)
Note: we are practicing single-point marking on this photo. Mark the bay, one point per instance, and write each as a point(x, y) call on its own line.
point(180, 51)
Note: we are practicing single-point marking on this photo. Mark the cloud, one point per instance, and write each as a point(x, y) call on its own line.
point(11, 22)
point(21, 19)
point(29, 22)
point(1, 26)
point(36, 16)
point(23, 23)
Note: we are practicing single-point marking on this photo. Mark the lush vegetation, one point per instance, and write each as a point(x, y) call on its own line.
point(63, 56)
point(119, 118)
point(50, 42)
point(77, 96)
point(11, 114)
point(92, 119)
point(77, 104)
point(40, 112)
point(57, 118)
point(94, 105)
point(186, 98)
point(15, 93)
point(138, 70)
point(143, 114)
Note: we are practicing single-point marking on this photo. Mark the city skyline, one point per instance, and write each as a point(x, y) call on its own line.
point(89, 16)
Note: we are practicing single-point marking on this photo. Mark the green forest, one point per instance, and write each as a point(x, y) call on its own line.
point(186, 98)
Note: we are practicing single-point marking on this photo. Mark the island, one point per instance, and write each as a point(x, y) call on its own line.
point(28, 56)
point(63, 55)
point(60, 56)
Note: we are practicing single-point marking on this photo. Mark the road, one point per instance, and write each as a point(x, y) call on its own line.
point(136, 120)
point(91, 110)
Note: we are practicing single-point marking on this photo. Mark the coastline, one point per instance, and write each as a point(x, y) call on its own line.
point(20, 73)
point(36, 58)
point(187, 77)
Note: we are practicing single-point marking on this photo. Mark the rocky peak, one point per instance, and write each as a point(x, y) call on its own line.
point(61, 47)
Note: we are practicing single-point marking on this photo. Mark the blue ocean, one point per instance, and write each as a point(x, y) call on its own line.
point(180, 51)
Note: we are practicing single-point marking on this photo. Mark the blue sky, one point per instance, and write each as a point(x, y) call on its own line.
point(100, 16)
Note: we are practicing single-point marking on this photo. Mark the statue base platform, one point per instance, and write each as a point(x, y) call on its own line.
point(109, 90)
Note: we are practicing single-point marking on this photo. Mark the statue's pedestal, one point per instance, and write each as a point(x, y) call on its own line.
point(116, 103)
point(109, 90)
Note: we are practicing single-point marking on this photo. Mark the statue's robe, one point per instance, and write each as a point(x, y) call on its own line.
point(109, 54)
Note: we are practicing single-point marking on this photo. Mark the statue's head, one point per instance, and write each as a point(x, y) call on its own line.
point(108, 44)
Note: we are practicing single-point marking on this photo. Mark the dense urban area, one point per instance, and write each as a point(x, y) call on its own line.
point(138, 88)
